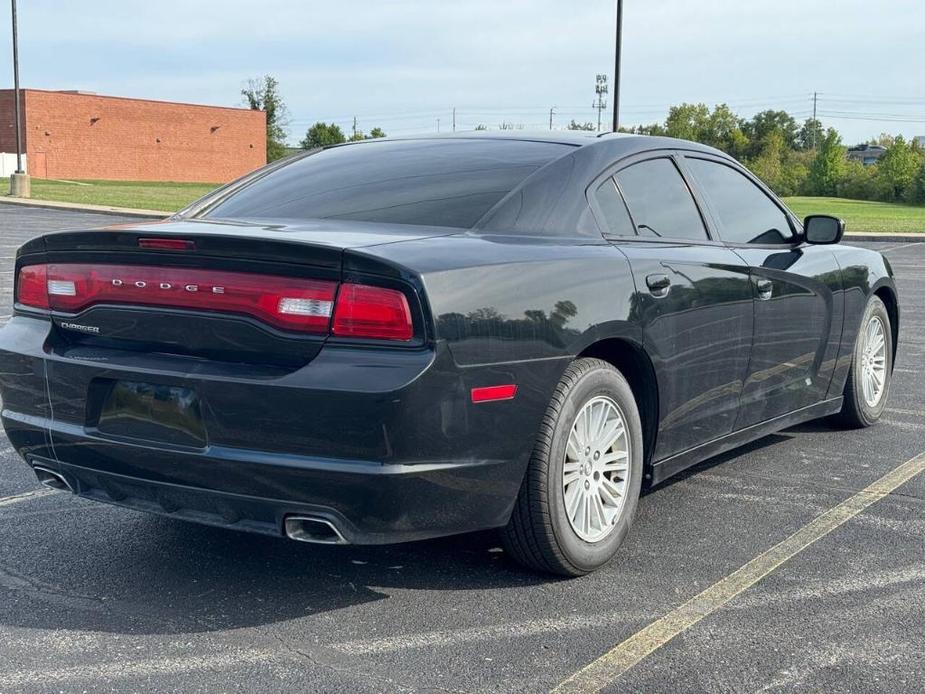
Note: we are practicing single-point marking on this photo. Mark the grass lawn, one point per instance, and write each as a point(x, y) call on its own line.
point(861, 215)
point(147, 195)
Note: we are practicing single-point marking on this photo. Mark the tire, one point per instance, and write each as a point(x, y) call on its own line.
point(540, 534)
point(858, 410)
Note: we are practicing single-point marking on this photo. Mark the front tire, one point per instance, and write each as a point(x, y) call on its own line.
point(581, 489)
point(871, 370)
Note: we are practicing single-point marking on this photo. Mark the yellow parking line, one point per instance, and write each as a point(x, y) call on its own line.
point(615, 662)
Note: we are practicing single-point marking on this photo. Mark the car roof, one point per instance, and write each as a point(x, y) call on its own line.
point(617, 143)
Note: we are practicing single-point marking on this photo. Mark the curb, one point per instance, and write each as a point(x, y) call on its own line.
point(80, 207)
point(884, 237)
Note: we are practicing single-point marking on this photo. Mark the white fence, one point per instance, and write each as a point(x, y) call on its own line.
point(8, 163)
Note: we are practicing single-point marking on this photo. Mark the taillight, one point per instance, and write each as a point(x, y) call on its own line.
point(32, 286)
point(284, 302)
point(372, 313)
point(289, 303)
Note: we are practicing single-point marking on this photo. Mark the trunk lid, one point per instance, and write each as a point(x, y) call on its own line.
point(303, 252)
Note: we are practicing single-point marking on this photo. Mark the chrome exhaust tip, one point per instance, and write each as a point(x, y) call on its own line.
point(313, 529)
point(51, 479)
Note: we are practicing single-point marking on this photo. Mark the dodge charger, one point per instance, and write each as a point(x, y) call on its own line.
point(401, 339)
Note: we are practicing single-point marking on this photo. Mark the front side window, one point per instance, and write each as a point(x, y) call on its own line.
point(745, 213)
point(660, 201)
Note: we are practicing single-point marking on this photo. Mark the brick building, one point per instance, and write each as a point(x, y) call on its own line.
point(74, 135)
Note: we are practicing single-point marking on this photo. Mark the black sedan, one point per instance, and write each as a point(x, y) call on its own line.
point(401, 339)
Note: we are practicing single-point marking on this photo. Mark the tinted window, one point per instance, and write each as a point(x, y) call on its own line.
point(431, 182)
point(660, 201)
point(746, 214)
point(612, 207)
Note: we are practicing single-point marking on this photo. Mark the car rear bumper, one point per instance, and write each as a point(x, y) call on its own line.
point(372, 507)
point(387, 450)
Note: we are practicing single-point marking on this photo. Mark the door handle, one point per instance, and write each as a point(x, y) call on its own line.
point(765, 288)
point(658, 285)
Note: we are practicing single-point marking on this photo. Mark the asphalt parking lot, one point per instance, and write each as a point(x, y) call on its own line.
point(94, 598)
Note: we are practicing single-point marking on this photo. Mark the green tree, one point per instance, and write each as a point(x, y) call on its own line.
point(322, 135)
point(482, 126)
point(359, 135)
point(859, 182)
point(810, 135)
point(263, 95)
point(769, 165)
point(883, 140)
point(897, 168)
point(764, 123)
point(829, 165)
point(916, 192)
point(687, 121)
point(720, 128)
point(782, 169)
point(724, 131)
point(574, 125)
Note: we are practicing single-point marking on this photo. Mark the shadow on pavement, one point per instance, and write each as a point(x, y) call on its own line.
point(162, 576)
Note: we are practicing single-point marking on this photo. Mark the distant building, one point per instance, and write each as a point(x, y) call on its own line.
point(919, 140)
point(866, 154)
point(80, 135)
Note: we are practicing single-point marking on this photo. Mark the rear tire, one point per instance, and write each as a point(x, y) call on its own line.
point(868, 384)
point(577, 501)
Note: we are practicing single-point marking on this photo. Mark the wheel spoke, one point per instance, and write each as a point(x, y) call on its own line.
point(609, 435)
point(600, 418)
point(599, 511)
point(608, 496)
point(611, 488)
point(613, 457)
point(585, 514)
point(572, 499)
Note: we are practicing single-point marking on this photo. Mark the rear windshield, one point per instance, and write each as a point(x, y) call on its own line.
point(431, 182)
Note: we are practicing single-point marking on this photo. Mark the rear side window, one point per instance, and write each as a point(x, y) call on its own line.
point(610, 203)
point(660, 201)
point(746, 214)
point(430, 182)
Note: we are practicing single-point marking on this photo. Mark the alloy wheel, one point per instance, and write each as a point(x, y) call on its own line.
point(873, 361)
point(596, 469)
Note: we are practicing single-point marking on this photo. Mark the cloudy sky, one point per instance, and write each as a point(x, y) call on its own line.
point(403, 64)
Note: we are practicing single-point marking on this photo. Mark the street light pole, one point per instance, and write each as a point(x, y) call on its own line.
point(19, 181)
point(616, 67)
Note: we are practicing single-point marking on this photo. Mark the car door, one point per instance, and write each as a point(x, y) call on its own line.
point(797, 289)
point(693, 298)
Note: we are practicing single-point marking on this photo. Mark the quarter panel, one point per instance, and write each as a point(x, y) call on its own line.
point(863, 272)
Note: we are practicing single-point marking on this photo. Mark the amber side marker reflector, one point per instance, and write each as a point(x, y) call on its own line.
point(167, 244)
point(492, 393)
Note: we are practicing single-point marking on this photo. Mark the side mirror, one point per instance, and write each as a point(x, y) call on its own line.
point(821, 228)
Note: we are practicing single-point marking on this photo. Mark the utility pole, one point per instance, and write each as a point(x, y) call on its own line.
point(454, 119)
point(616, 67)
point(19, 181)
point(815, 100)
point(600, 88)
point(354, 127)
point(551, 112)
point(438, 125)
